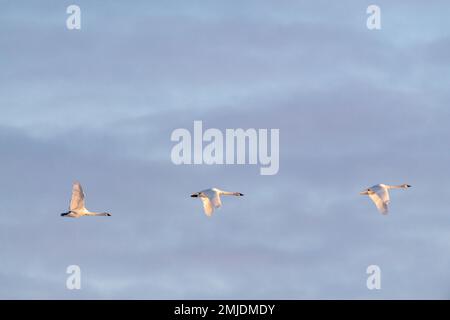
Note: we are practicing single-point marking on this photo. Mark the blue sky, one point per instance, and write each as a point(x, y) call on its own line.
point(354, 107)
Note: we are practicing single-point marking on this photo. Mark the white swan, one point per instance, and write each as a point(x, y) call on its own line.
point(380, 195)
point(77, 208)
point(211, 198)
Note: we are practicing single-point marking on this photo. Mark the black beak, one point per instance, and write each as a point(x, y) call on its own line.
point(241, 194)
point(194, 195)
point(409, 186)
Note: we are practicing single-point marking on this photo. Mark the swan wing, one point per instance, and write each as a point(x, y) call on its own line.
point(207, 206)
point(77, 201)
point(381, 205)
point(213, 195)
point(217, 203)
point(382, 192)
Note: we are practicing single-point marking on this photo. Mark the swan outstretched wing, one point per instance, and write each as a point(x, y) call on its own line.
point(382, 192)
point(378, 200)
point(207, 206)
point(77, 201)
point(217, 203)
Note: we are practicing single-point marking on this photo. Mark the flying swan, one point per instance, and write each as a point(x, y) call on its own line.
point(380, 195)
point(77, 208)
point(211, 198)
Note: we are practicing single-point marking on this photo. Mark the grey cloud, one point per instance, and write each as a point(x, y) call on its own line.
point(354, 108)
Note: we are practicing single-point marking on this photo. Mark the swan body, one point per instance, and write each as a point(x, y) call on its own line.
point(211, 198)
point(380, 195)
point(77, 208)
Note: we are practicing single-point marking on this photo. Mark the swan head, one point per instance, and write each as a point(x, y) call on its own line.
point(107, 214)
point(67, 214)
point(365, 192)
point(406, 186)
point(239, 194)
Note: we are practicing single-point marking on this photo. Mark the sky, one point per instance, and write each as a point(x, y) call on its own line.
point(355, 107)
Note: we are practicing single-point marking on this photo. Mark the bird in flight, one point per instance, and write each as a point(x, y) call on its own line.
point(77, 208)
point(211, 198)
point(380, 195)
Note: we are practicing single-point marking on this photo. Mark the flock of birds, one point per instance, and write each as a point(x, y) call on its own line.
point(211, 199)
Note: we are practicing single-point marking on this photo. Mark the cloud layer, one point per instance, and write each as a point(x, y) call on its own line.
point(354, 108)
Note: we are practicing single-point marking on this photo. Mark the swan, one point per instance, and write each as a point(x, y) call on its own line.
point(77, 208)
point(211, 198)
point(380, 195)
